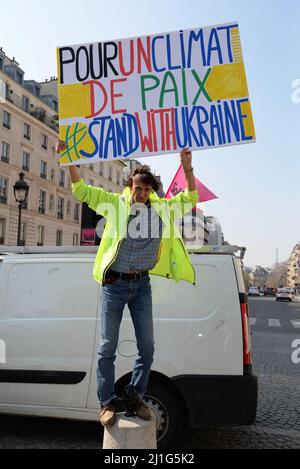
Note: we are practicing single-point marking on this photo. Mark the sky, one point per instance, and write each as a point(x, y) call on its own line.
point(258, 185)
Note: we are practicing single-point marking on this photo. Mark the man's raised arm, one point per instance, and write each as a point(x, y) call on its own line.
point(186, 161)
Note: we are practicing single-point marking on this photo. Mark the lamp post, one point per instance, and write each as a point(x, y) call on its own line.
point(21, 189)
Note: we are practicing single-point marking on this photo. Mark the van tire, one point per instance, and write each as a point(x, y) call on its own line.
point(168, 411)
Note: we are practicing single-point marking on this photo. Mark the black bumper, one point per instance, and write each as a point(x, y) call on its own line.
point(219, 400)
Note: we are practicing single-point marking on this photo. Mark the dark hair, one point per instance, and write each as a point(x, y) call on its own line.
point(145, 176)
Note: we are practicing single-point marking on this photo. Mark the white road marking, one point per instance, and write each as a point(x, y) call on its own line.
point(296, 323)
point(274, 323)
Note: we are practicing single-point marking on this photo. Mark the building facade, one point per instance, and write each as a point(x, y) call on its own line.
point(28, 135)
point(293, 269)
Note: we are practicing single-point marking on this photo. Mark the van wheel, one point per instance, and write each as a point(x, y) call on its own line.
point(168, 413)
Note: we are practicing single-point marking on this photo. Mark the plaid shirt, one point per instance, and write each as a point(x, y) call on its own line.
point(140, 247)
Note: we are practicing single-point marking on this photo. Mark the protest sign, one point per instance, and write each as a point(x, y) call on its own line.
point(153, 95)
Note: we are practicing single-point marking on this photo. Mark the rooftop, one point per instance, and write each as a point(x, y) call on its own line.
point(40, 91)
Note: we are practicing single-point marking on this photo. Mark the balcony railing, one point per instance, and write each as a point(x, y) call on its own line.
point(60, 215)
point(42, 210)
point(37, 112)
point(3, 199)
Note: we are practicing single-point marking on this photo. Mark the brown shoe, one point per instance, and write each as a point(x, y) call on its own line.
point(143, 411)
point(108, 415)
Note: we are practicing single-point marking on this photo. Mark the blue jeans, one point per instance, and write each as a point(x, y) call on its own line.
point(137, 294)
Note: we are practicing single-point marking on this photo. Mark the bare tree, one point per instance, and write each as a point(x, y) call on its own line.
point(247, 279)
point(277, 275)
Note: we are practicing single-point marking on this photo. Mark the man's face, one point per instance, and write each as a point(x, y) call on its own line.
point(140, 192)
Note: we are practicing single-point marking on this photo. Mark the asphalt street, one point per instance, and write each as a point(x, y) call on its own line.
point(274, 327)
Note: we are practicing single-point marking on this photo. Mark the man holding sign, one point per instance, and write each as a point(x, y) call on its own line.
point(140, 237)
point(139, 97)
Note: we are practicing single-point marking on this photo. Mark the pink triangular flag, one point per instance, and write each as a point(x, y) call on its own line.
point(178, 185)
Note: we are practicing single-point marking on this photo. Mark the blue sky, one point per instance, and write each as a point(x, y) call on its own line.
point(259, 184)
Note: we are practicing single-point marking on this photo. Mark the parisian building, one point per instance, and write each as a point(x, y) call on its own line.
point(293, 269)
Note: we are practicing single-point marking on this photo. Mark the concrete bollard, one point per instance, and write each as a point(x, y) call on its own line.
point(130, 433)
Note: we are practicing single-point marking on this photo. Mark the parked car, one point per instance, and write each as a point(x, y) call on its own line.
point(269, 291)
point(284, 294)
point(253, 291)
point(50, 323)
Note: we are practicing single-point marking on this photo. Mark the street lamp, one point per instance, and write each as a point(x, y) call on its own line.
point(21, 189)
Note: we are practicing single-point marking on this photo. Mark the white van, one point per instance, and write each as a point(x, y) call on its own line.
point(49, 323)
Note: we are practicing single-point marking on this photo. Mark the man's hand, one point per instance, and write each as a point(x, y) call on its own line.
point(74, 173)
point(60, 146)
point(186, 159)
